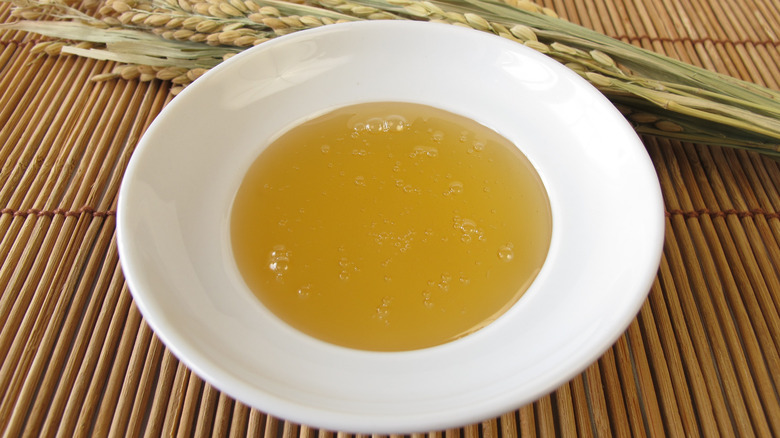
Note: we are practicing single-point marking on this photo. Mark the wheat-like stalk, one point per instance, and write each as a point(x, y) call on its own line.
point(178, 40)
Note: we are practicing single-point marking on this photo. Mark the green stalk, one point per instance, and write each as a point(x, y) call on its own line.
point(683, 101)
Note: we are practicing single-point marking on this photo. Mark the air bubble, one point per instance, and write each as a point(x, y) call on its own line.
point(325, 148)
point(279, 261)
point(304, 291)
point(444, 284)
point(469, 230)
point(383, 310)
point(427, 299)
point(279, 266)
point(506, 252)
point(396, 123)
point(424, 151)
point(468, 226)
point(360, 181)
point(376, 125)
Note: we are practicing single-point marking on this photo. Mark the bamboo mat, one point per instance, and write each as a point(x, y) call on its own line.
point(77, 358)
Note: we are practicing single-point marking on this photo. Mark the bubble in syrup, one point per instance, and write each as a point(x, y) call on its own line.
point(469, 230)
point(438, 136)
point(382, 312)
point(304, 291)
point(360, 181)
point(444, 284)
point(427, 299)
point(424, 151)
point(396, 123)
point(468, 226)
point(376, 125)
point(456, 187)
point(279, 261)
point(506, 252)
point(325, 148)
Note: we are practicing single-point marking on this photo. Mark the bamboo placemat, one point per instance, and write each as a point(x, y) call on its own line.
point(76, 357)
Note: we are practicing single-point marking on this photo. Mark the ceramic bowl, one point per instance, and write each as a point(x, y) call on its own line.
point(175, 200)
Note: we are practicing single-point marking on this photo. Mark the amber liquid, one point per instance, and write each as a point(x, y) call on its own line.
point(390, 226)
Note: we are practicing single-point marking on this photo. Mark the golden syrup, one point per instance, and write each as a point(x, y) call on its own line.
point(390, 226)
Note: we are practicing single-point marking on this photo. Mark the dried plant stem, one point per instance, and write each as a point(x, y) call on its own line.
point(658, 95)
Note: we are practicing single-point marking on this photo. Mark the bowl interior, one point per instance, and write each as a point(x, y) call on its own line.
point(175, 201)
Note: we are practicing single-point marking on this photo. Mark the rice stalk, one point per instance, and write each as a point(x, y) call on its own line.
point(659, 95)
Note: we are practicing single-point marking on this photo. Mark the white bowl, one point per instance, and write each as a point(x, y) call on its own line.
point(177, 193)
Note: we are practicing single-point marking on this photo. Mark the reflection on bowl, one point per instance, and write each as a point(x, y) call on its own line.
point(174, 226)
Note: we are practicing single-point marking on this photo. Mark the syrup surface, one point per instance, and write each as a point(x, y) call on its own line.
point(390, 226)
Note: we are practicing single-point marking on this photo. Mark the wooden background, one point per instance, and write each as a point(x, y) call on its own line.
point(77, 358)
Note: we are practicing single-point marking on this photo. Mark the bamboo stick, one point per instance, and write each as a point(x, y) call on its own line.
point(190, 408)
point(594, 386)
point(564, 406)
point(585, 425)
point(615, 400)
point(176, 402)
point(240, 421)
point(116, 414)
point(206, 411)
point(626, 371)
point(678, 417)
